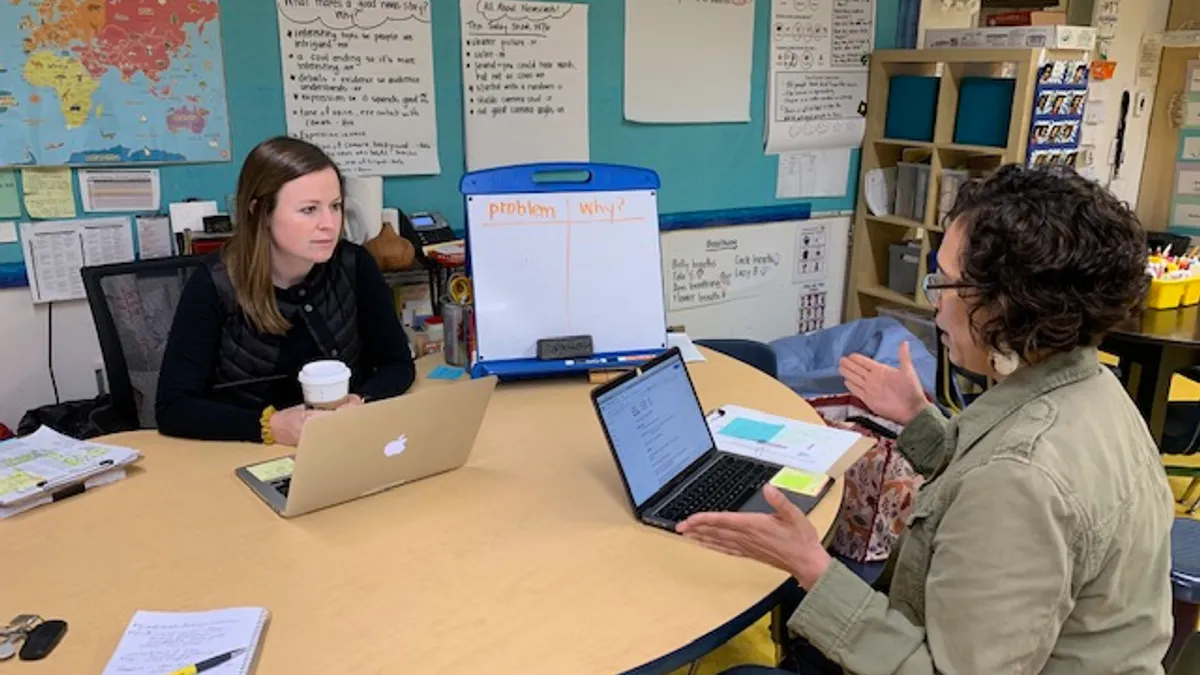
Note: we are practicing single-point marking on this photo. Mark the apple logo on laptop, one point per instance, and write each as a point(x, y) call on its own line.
point(396, 447)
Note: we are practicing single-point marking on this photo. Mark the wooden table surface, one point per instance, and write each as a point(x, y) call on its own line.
point(527, 560)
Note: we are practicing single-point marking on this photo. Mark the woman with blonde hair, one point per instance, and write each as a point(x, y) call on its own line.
point(284, 291)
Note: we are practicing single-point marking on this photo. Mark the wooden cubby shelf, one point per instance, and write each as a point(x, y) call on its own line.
point(872, 235)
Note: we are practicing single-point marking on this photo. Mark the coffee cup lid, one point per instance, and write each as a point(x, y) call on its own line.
point(324, 372)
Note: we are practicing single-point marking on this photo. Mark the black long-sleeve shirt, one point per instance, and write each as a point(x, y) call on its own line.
point(185, 405)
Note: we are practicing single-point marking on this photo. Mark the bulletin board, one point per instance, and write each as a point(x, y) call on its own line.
point(1185, 183)
point(702, 166)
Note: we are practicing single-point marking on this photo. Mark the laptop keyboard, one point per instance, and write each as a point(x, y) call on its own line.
point(725, 486)
point(282, 485)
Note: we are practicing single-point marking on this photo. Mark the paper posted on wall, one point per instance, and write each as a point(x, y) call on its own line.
point(817, 85)
point(56, 250)
point(813, 173)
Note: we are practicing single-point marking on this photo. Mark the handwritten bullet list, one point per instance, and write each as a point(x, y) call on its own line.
point(360, 85)
point(524, 80)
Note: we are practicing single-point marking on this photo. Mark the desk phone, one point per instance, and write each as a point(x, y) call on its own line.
point(431, 228)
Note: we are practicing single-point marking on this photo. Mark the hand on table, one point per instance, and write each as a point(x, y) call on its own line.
point(785, 539)
point(892, 393)
point(287, 424)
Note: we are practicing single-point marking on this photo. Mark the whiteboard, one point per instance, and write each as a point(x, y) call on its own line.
point(760, 282)
point(559, 264)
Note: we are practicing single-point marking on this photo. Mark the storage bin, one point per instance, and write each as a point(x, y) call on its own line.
point(984, 111)
point(919, 325)
point(912, 188)
point(1191, 293)
point(903, 261)
point(911, 107)
point(951, 181)
point(1166, 293)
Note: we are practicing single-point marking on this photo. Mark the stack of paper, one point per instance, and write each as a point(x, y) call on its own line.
point(172, 642)
point(813, 448)
point(46, 465)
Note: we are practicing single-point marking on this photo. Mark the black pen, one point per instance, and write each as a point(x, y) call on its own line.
point(207, 664)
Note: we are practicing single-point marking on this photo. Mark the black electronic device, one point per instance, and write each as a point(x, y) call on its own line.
point(571, 347)
point(42, 640)
point(431, 228)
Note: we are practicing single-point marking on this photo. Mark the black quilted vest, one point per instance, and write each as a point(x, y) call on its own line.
point(324, 304)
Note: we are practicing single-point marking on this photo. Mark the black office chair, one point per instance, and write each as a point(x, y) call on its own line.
point(750, 352)
point(133, 306)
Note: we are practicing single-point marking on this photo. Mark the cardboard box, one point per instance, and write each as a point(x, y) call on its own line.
point(967, 38)
point(943, 38)
point(1050, 37)
point(1026, 17)
point(1054, 37)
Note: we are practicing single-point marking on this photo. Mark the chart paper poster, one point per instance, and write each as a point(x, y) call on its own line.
point(358, 82)
point(817, 81)
point(525, 82)
point(688, 61)
point(84, 82)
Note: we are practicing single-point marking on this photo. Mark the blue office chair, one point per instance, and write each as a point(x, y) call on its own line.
point(1185, 582)
point(750, 352)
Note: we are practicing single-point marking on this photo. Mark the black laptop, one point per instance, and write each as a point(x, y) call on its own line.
point(665, 452)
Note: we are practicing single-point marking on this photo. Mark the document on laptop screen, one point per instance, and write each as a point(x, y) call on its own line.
point(656, 427)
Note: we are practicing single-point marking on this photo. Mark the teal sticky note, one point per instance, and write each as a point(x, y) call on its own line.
point(444, 372)
point(10, 199)
point(751, 430)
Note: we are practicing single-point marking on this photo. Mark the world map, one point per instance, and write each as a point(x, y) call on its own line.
point(102, 82)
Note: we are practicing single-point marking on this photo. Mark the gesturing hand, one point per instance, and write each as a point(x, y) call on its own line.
point(892, 393)
point(785, 539)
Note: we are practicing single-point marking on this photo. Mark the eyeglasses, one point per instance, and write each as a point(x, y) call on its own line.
point(934, 283)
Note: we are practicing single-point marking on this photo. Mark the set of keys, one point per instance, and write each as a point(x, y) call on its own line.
point(40, 637)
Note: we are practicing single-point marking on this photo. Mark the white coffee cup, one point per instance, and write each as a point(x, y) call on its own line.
point(325, 383)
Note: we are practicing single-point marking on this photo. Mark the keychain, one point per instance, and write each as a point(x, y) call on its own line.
point(40, 637)
point(14, 632)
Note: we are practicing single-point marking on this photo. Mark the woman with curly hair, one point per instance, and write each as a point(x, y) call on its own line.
point(1041, 541)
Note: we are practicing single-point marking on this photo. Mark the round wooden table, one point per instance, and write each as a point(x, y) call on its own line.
point(527, 560)
point(1152, 349)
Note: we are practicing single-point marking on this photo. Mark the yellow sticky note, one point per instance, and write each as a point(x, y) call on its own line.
point(273, 470)
point(17, 481)
point(49, 192)
point(799, 482)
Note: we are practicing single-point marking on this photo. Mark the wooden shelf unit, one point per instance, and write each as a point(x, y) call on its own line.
point(871, 235)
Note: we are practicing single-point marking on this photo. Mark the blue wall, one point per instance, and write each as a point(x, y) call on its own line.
point(709, 166)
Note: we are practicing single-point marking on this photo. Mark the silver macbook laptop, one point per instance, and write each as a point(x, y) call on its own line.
point(366, 449)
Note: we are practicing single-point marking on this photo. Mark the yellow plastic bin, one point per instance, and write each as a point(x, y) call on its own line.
point(1166, 293)
point(1191, 294)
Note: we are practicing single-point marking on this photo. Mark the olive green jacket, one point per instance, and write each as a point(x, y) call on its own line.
point(1040, 544)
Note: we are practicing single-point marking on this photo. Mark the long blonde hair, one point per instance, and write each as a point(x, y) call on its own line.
point(247, 254)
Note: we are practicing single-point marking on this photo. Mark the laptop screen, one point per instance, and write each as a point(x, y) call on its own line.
point(656, 426)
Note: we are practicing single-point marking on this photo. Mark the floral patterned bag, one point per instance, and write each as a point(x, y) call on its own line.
point(880, 488)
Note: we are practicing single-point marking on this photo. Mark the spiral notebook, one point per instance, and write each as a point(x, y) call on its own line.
point(163, 642)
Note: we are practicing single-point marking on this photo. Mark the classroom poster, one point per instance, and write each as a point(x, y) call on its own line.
point(1058, 114)
point(358, 82)
point(817, 82)
point(525, 82)
point(688, 61)
point(1185, 195)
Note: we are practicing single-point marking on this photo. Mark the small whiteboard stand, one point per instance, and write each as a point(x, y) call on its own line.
point(552, 257)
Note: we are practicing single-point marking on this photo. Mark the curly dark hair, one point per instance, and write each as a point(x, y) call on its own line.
point(1056, 259)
